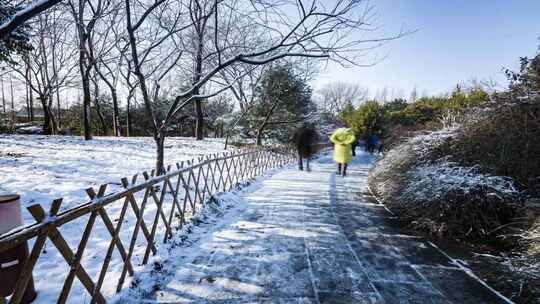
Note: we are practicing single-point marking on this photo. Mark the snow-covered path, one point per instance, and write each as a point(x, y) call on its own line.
point(311, 237)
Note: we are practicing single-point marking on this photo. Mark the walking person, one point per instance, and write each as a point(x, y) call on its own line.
point(353, 146)
point(372, 143)
point(304, 138)
point(342, 139)
point(381, 146)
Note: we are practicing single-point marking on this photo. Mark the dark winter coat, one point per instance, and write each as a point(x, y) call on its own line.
point(304, 138)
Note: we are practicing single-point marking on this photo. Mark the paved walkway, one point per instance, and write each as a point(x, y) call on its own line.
point(313, 237)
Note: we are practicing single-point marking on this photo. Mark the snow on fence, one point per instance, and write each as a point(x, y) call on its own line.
point(175, 196)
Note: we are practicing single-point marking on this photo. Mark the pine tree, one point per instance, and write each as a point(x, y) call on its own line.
point(15, 41)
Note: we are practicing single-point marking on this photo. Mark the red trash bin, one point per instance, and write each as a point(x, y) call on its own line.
point(12, 260)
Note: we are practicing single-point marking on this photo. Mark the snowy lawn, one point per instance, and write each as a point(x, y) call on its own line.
point(42, 168)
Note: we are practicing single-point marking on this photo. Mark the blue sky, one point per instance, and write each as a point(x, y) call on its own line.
point(456, 41)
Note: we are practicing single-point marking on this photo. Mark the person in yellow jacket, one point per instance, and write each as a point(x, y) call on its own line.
point(342, 139)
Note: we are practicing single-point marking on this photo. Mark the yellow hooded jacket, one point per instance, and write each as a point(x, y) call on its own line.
point(342, 139)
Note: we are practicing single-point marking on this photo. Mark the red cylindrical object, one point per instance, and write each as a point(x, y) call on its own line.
point(12, 260)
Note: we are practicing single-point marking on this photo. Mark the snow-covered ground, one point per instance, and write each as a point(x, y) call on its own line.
point(42, 168)
point(304, 237)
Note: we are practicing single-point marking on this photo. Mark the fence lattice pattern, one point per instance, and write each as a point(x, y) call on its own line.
point(176, 196)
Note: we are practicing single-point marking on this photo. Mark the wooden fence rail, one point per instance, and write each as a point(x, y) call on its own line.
point(176, 195)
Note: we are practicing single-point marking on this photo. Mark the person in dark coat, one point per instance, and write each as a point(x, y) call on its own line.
point(372, 143)
point(354, 145)
point(381, 146)
point(304, 138)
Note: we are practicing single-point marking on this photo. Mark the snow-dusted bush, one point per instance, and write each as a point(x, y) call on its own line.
point(502, 138)
point(442, 197)
point(387, 177)
point(434, 181)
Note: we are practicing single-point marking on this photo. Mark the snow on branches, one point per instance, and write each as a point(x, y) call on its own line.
point(12, 39)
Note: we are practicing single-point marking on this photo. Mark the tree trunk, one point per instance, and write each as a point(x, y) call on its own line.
point(47, 125)
point(128, 117)
point(114, 95)
point(263, 125)
point(47, 121)
point(12, 93)
point(31, 102)
point(29, 91)
point(26, 96)
point(54, 124)
point(259, 135)
point(160, 145)
point(87, 110)
point(116, 118)
point(199, 124)
point(55, 70)
point(59, 109)
point(3, 96)
point(227, 140)
point(102, 122)
point(87, 123)
point(84, 70)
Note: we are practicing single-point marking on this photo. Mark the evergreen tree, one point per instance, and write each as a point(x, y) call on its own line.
point(15, 41)
point(283, 99)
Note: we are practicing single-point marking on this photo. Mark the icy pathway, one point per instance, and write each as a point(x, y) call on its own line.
point(313, 237)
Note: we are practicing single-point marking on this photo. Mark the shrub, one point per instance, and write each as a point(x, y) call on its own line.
point(442, 197)
point(502, 139)
point(446, 199)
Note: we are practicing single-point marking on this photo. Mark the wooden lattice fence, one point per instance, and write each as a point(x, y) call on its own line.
point(175, 196)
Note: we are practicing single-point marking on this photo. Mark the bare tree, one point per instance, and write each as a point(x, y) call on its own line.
point(414, 95)
point(289, 28)
point(131, 84)
point(86, 14)
point(335, 96)
point(200, 12)
point(43, 75)
point(109, 54)
point(12, 96)
point(28, 86)
point(97, 104)
point(242, 81)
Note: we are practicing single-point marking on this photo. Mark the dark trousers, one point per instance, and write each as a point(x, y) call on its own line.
point(342, 172)
point(301, 163)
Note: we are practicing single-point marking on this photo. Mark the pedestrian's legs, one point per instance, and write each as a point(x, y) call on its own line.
point(344, 169)
point(338, 168)
point(353, 150)
point(307, 165)
point(300, 164)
